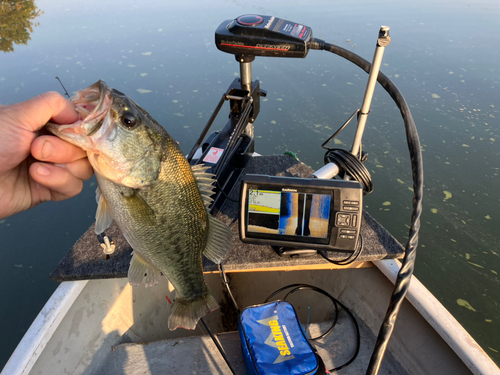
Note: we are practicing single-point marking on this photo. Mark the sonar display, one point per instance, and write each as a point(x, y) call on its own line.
point(288, 213)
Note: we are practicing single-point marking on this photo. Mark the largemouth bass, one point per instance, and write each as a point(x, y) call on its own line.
point(156, 198)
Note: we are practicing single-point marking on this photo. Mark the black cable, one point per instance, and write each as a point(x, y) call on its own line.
point(358, 339)
point(225, 281)
point(217, 344)
point(352, 166)
point(404, 275)
point(339, 130)
point(297, 287)
point(224, 193)
point(334, 301)
point(350, 259)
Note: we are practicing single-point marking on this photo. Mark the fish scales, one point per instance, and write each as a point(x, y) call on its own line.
point(149, 189)
point(179, 226)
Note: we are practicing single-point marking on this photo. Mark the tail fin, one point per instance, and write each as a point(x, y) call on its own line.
point(185, 314)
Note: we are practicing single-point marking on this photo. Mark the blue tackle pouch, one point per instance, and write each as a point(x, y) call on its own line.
point(273, 342)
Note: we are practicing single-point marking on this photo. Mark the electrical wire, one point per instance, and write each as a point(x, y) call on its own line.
point(350, 259)
point(404, 275)
point(297, 287)
point(225, 281)
point(334, 301)
point(340, 129)
point(224, 193)
point(218, 345)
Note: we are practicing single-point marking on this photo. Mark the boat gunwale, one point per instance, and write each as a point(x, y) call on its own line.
point(442, 321)
point(43, 327)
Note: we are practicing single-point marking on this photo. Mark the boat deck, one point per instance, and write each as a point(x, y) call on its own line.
point(86, 261)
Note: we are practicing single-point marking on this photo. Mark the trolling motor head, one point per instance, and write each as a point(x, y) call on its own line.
point(257, 35)
point(253, 35)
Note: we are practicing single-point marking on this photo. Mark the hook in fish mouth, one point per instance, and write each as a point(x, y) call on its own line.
point(92, 104)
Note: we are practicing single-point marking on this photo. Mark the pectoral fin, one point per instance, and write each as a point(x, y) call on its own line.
point(103, 217)
point(140, 268)
point(140, 209)
point(220, 240)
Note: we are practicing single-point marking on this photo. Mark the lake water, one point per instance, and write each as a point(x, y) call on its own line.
point(443, 57)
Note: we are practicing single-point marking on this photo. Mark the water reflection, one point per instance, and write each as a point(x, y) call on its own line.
point(16, 22)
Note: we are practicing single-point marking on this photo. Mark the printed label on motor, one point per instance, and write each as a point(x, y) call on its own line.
point(213, 155)
point(295, 30)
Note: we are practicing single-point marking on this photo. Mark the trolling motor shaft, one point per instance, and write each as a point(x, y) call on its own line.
point(245, 70)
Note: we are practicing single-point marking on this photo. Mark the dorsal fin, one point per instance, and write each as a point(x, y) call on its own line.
point(219, 242)
point(205, 181)
point(103, 217)
point(220, 237)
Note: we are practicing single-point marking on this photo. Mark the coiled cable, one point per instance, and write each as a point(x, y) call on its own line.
point(352, 166)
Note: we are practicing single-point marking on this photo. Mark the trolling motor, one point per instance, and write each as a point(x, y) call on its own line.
point(255, 35)
point(228, 150)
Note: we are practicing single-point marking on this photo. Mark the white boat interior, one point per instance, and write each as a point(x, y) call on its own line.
point(112, 328)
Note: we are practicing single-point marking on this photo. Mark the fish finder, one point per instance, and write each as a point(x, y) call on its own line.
point(306, 213)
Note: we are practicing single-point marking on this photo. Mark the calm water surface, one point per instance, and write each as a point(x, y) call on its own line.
point(443, 57)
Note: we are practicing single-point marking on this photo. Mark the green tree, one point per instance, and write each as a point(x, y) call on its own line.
point(16, 22)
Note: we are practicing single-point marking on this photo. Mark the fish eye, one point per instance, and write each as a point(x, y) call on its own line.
point(129, 120)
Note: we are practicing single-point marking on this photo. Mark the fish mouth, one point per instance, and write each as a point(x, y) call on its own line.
point(92, 105)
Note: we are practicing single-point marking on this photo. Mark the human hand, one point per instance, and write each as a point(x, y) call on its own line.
point(25, 182)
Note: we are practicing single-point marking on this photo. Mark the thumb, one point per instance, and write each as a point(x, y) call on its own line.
point(34, 113)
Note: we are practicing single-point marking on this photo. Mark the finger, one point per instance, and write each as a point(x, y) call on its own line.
point(81, 168)
point(34, 113)
point(55, 150)
point(61, 183)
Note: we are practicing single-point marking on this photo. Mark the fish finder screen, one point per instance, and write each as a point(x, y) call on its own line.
point(289, 213)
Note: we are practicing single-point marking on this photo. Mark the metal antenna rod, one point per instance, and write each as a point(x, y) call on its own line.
point(383, 41)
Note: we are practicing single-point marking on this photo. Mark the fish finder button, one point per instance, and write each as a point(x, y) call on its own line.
point(343, 220)
point(354, 220)
point(250, 20)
